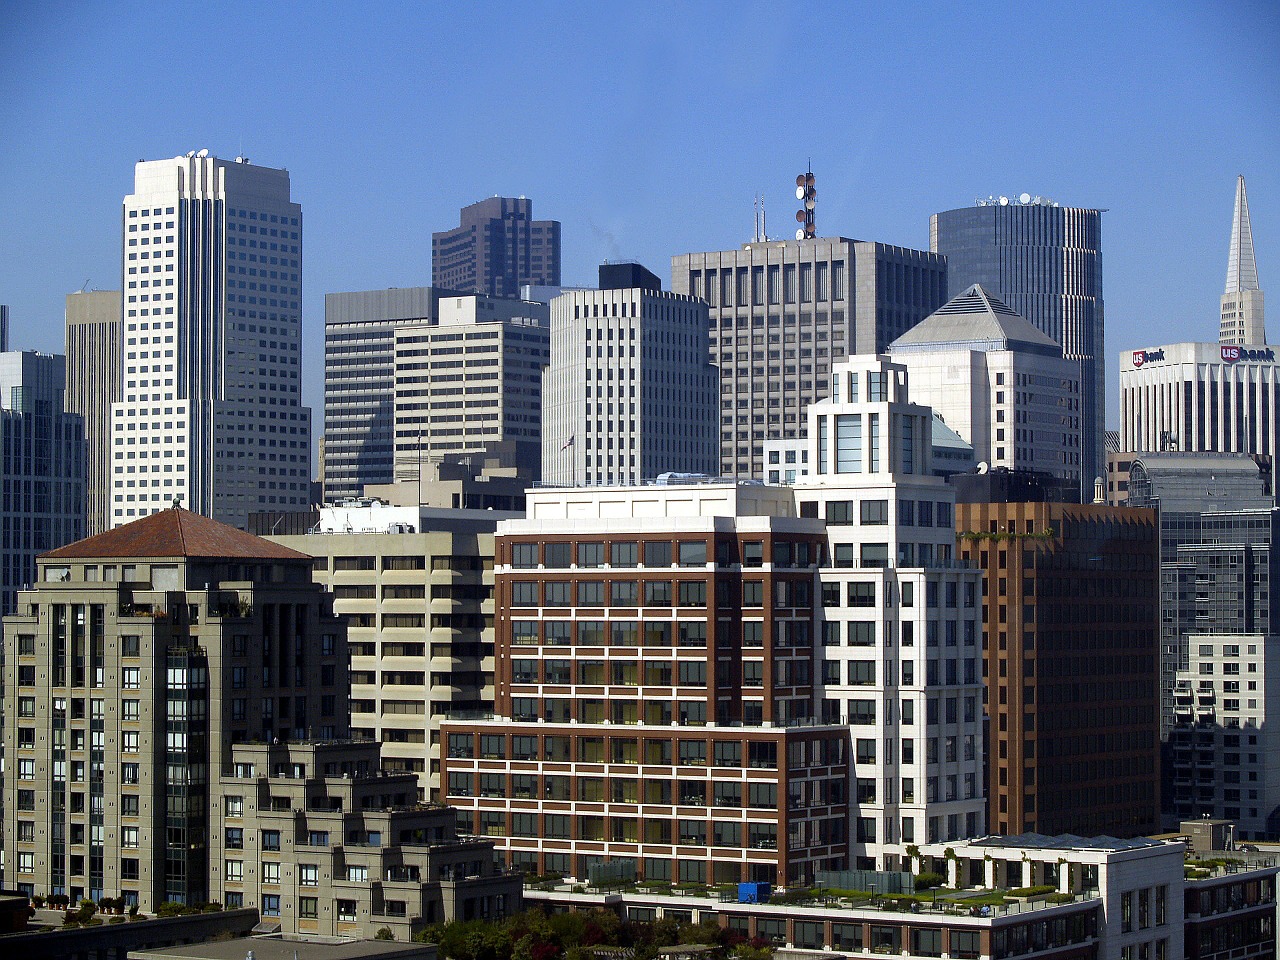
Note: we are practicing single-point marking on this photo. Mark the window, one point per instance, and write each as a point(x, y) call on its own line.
point(309, 874)
point(233, 870)
point(271, 873)
point(271, 904)
point(131, 678)
point(129, 741)
point(308, 908)
point(233, 839)
point(875, 512)
point(234, 806)
point(346, 911)
point(129, 709)
point(271, 840)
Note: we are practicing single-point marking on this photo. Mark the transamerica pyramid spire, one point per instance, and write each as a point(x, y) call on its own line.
point(1242, 315)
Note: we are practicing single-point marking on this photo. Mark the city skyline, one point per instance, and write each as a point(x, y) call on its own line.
point(882, 170)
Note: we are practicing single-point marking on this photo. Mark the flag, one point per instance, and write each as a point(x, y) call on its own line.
point(567, 444)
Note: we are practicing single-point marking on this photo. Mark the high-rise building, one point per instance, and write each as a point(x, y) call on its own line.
point(998, 382)
point(901, 634)
point(496, 249)
point(782, 312)
point(1072, 689)
point(94, 337)
point(1200, 397)
point(1219, 636)
point(419, 374)
point(210, 411)
point(1045, 262)
point(1242, 320)
point(43, 471)
point(629, 393)
point(139, 658)
point(4, 328)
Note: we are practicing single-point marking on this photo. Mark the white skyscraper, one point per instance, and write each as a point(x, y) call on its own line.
point(210, 409)
point(1243, 321)
point(628, 394)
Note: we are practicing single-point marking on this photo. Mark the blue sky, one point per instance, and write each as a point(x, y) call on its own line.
point(647, 128)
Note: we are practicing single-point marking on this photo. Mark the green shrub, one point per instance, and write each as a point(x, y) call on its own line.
point(1031, 891)
point(927, 880)
point(384, 933)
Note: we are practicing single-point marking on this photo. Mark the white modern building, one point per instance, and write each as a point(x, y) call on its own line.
point(210, 412)
point(629, 393)
point(1196, 397)
point(998, 382)
point(1242, 319)
point(1225, 755)
point(901, 628)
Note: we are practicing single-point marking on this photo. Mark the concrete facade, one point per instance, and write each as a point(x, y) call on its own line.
point(324, 843)
point(94, 337)
point(418, 374)
point(782, 312)
point(629, 393)
point(419, 609)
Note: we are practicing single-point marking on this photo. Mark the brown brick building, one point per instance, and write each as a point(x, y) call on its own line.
point(1072, 625)
point(655, 694)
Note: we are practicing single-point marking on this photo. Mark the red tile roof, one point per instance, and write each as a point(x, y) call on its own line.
point(175, 533)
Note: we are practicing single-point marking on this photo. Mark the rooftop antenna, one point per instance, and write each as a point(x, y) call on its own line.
point(808, 197)
point(764, 226)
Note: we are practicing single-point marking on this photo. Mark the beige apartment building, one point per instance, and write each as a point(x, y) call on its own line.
point(416, 588)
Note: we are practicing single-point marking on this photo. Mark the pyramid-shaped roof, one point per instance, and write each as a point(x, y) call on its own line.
point(977, 319)
point(1242, 265)
point(175, 533)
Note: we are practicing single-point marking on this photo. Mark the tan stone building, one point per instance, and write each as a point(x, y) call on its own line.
point(322, 842)
point(134, 664)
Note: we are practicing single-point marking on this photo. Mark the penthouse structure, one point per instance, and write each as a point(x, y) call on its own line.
point(781, 313)
point(629, 394)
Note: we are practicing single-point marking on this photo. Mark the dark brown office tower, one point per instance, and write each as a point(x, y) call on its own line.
point(1071, 612)
point(496, 249)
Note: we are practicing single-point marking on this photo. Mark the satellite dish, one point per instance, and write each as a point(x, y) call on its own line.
point(809, 203)
point(799, 193)
point(801, 216)
point(190, 154)
point(800, 180)
point(808, 179)
point(800, 234)
point(1024, 198)
point(809, 229)
point(983, 467)
point(1004, 201)
point(203, 153)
